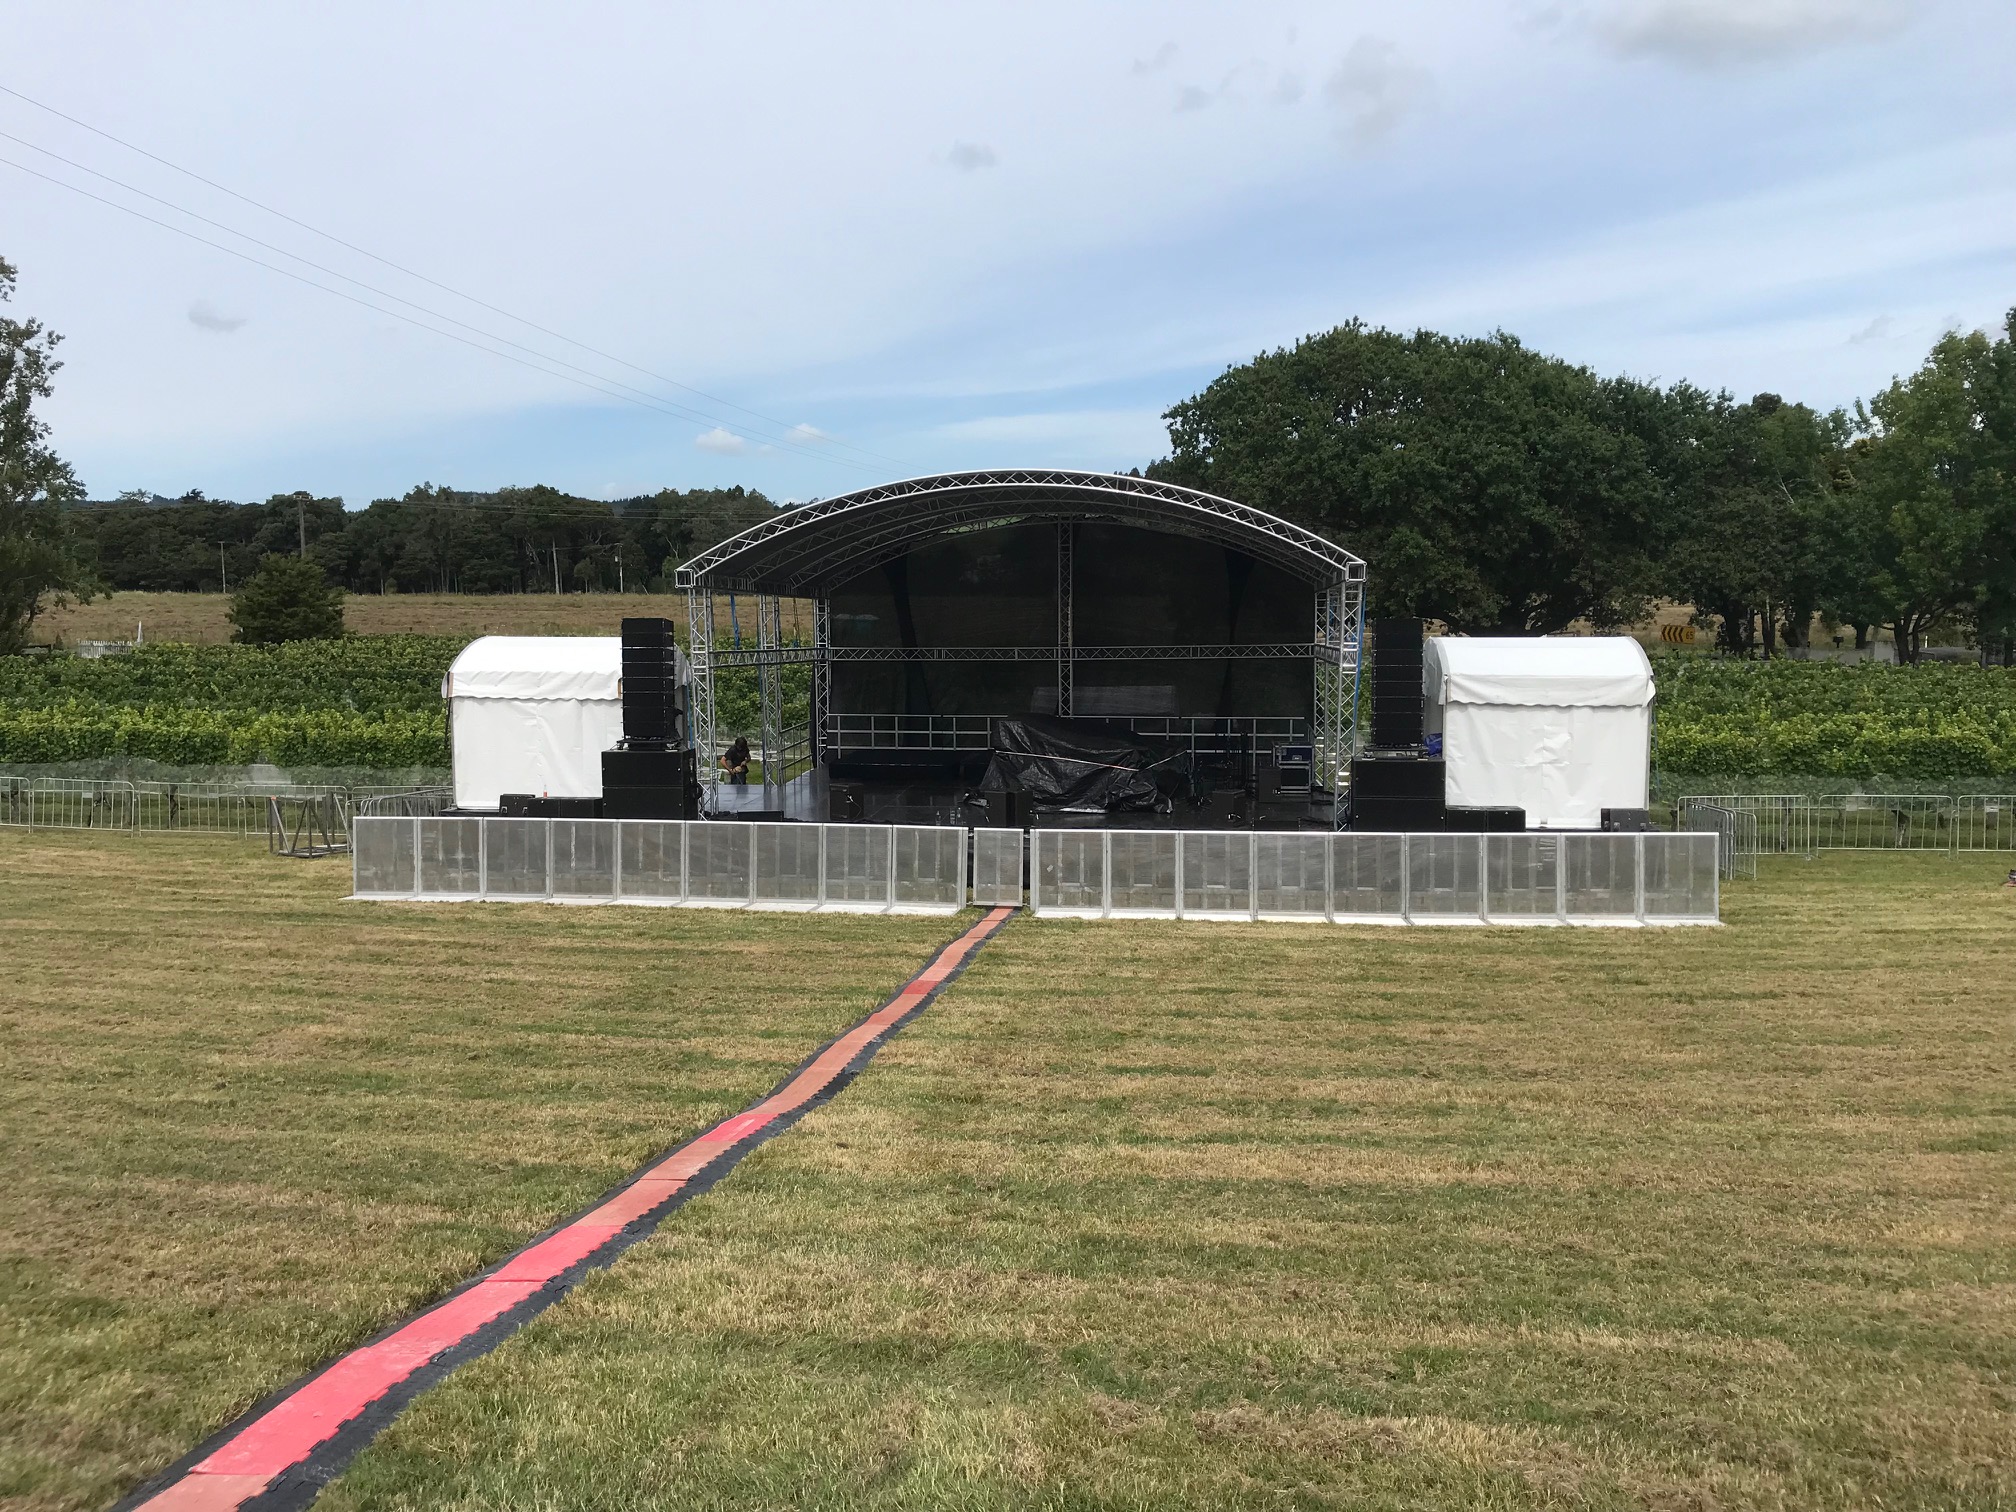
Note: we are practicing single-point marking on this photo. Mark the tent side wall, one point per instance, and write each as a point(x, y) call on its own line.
point(548, 746)
point(1563, 766)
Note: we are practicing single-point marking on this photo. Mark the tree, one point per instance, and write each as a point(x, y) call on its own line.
point(39, 560)
point(1498, 490)
point(287, 599)
point(1936, 484)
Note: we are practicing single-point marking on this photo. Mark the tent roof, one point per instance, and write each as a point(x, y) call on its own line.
point(537, 666)
point(1565, 671)
point(810, 548)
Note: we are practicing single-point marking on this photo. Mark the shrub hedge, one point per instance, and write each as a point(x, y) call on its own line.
point(375, 701)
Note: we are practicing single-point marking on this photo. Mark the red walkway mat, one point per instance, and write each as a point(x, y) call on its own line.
point(288, 1447)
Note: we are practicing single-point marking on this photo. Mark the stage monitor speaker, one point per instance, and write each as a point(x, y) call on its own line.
point(1487, 821)
point(846, 802)
point(646, 768)
point(1628, 821)
point(515, 805)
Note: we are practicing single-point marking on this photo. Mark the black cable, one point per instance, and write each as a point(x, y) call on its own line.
point(647, 402)
point(422, 277)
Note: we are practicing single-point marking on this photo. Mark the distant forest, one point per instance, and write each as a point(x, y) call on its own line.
point(434, 540)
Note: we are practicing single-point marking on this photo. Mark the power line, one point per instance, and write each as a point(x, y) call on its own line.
point(646, 402)
point(698, 416)
point(422, 277)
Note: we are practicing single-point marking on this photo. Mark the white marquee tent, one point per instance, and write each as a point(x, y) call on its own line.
point(533, 714)
point(1559, 726)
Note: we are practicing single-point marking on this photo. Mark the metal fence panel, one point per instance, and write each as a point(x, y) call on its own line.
point(718, 860)
point(451, 857)
point(381, 858)
point(997, 868)
point(857, 865)
point(1682, 876)
point(1141, 872)
point(1290, 876)
point(930, 870)
point(1067, 871)
point(1602, 876)
point(1522, 877)
point(1443, 877)
point(584, 858)
point(653, 855)
point(515, 858)
point(1367, 878)
point(787, 863)
point(1218, 873)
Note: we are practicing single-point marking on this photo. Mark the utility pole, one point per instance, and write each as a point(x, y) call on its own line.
point(554, 547)
point(223, 576)
point(619, 567)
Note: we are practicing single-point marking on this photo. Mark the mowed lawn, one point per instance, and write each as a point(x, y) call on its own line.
point(244, 1124)
point(1138, 1215)
point(1146, 1215)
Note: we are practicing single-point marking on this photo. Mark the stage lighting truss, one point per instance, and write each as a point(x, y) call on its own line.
point(809, 549)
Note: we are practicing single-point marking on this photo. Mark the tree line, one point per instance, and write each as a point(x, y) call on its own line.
point(433, 540)
point(1506, 492)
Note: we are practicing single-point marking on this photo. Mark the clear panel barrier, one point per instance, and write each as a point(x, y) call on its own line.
point(1522, 876)
point(584, 858)
point(930, 866)
point(1681, 876)
point(1367, 880)
point(787, 863)
point(1442, 876)
point(381, 858)
point(1068, 870)
point(997, 868)
point(653, 859)
point(514, 860)
point(451, 858)
point(1602, 876)
point(1142, 871)
point(1288, 875)
point(857, 865)
point(717, 861)
point(1217, 872)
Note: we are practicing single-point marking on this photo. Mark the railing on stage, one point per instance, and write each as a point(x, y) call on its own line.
point(1629, 879)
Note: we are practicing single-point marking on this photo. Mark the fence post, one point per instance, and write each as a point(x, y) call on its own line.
point(1638, 868)
point(416, 855)
point(1106, 874)
point(1253, 875)
point(482, 858)
point(1483, 879)
point(616, 860)
point(551, 859)
point(890, 901)
point(1406, 880)
point(1561, 879)
point(1330, 878)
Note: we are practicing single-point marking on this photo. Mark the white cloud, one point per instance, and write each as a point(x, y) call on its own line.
point(1733, 33)
point(1878, 329)
point(1376, 89)
point(1190, 97)
point(808, 435)
point(206, 317)
point(968, 156)
point(721, 441)
point(1162, 57)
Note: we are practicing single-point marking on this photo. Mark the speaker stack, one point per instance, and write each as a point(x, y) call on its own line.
point(1396, 684)
point(652, 774)
point(1395, 785)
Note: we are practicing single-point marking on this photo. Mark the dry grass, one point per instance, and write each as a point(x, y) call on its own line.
point(244, 1124)
point(199, 617)
point(1160, 1215)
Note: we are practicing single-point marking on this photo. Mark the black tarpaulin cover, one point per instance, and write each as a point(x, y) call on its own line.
point(1065, 766)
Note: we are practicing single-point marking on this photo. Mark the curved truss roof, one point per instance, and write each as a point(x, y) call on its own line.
point(812, 548)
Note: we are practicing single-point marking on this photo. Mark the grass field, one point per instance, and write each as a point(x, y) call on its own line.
point(1137, 1215)
point(199, 618)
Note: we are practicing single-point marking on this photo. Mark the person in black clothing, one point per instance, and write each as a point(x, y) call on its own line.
point(735, 762)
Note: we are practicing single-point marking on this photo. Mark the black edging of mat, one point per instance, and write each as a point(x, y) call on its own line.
point(298, 1486)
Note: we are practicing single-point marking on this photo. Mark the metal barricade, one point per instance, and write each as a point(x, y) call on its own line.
point(1216, 880)
point(997, 867)
point(1141, 873)
point(382, 857)
point(859, 866)
point(1067, 872)
point(788, 864)
point(1290, 876)
point(1682, 879)
point(450, 857)
point(1444, 879)
point(720, 864)
point(929, 871)
point(1522, 878)
point(1600, 877)
point(583, 858)
point(1368, 878)
point(651, 861)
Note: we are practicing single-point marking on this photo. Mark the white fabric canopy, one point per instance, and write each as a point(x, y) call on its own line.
point(533, 714)
point(1558, 726)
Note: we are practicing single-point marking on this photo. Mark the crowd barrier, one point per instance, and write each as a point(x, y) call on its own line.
point(1628, 879)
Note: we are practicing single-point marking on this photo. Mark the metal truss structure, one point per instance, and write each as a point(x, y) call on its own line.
point(812, 549)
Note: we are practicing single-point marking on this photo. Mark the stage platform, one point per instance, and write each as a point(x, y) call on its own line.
point(807, 799)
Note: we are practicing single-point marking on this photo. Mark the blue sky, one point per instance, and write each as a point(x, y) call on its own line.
point(894, 239)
